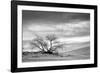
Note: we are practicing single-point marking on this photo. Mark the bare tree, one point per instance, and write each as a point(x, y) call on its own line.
point(44, 46)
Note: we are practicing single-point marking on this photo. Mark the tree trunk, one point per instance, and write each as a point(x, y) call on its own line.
point(47, 52)
point(50, 45)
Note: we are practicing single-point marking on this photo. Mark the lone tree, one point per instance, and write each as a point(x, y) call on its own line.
point(47, 45)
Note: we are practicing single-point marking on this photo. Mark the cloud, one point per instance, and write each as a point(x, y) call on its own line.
point(63, 24)
point(74, 39)
point(40, 28)
point(50, 18)
point(72, 26)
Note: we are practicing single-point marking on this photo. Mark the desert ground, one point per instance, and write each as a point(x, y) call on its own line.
point(79, 54)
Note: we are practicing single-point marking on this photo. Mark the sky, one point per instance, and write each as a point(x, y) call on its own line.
point(66, 25)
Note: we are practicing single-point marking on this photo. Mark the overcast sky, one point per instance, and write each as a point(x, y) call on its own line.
point(63, 24)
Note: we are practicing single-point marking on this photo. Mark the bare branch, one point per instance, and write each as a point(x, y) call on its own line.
point(36, 45)
point(51, 37)
point(58, 46)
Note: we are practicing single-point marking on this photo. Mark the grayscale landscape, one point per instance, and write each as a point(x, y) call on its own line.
point(55, 36)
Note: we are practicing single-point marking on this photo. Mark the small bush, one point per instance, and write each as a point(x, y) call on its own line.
point(25, 53)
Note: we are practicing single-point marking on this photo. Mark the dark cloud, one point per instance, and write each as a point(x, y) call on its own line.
point(63, 24)
point(46, 17)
